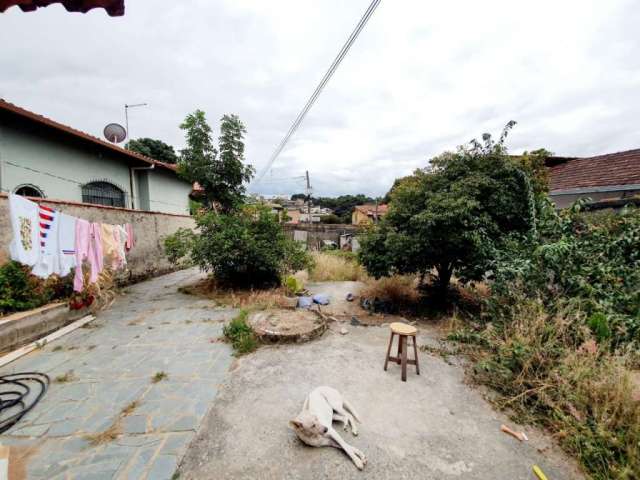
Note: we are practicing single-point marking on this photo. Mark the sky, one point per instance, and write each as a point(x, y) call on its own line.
point(422, 78)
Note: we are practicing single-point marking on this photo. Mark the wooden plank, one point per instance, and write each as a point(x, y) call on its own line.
point(10, 357)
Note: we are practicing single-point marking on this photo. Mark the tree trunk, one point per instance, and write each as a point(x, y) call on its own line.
point(444, 277)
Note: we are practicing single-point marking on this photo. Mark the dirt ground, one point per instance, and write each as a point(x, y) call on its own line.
point(434, 426)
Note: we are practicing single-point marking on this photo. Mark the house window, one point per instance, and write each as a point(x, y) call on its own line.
point(103, 193)
point(29, 190)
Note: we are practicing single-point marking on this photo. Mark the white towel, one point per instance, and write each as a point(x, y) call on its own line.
point(49, 261)
point(25, 245)
point(67, 243)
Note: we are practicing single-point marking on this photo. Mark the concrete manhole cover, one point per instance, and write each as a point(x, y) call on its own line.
point(287, 325)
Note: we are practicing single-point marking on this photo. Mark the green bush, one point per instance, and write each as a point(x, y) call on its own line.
point(240, 334)
point(246, 248)
point(20, 290)
point(178, 246)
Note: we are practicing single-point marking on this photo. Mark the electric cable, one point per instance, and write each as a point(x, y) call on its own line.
point(316, 93)
point(16, 401)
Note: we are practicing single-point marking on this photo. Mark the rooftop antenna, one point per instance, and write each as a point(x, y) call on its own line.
point(126, 114)
point(115, 133)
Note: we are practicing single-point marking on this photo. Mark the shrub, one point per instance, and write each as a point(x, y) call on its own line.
point(246, 248)
point(334, 267)
point(240, 334)
point(178, 246)
point(397, 293)
point(20, 290)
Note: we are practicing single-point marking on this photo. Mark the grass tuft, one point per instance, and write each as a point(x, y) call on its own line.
point(159, 376)
point(240, 334)
point(66, 377)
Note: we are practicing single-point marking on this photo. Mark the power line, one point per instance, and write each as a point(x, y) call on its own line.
point(325, 79)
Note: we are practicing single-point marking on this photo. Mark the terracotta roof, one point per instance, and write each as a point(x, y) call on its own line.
point(14, 109)
point(114, 8)
point(371, 209)
point(622, 168)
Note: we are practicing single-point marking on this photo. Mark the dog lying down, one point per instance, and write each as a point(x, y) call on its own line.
point(314, 425)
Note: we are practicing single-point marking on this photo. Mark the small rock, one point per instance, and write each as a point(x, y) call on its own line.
point(350, 297)
point(355, 322)
point(343, 331)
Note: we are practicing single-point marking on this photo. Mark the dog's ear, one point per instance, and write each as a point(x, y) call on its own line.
point(295, 424)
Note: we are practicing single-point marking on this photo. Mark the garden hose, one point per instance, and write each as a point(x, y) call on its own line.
point(15, 398)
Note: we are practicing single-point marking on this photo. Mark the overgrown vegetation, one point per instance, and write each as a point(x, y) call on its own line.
point(335, 266)
point(240, 334)
point(178, 246)
point(20, 290)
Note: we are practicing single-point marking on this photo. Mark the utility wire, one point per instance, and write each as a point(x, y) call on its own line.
point(327, 76)
point(78, 183)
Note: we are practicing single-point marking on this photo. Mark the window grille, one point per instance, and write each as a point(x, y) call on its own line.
point(29, 191)
point(103, 193)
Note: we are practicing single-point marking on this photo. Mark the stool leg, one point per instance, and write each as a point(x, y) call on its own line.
point(386, 359)
point(400, 337)
point(403, 339)
point(415, 353)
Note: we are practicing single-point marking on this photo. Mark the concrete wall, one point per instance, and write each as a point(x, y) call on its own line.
point(145, 259)
point(59, 165)
point(319, 232)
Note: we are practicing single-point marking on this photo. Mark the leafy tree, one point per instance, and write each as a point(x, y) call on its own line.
point(246, 248)
point(156, 149)
point(452, 216)
point(221, 173)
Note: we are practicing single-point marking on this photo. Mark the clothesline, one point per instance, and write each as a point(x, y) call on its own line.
point(54, 243)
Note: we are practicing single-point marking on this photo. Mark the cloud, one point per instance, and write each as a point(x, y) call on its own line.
point(423, 77)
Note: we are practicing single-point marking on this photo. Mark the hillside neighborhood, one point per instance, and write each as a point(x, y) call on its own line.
point(221, 285)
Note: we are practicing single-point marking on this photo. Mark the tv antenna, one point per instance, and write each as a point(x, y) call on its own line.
point(115, 133)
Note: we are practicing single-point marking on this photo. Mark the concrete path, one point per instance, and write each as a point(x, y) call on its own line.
point(434, 426)
point(151, 329)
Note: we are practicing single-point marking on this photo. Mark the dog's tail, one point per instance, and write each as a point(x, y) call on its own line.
point(350, 409)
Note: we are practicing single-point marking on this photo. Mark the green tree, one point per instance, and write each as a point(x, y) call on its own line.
point(152, 148)
point(220, 172)
point(452, 216)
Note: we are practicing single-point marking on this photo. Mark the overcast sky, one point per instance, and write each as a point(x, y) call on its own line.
point(422, 77)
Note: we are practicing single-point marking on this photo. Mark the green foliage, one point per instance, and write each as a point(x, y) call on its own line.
point(452, 216)
point(221, 174)
point(246, 248)
point(585, 262)
point(240, 334)
point(20, 290)
point(156, 149)
point(178, 246)
point(292, 285)
point(330, 219)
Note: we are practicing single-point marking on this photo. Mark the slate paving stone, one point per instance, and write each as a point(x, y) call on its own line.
point(114, 368)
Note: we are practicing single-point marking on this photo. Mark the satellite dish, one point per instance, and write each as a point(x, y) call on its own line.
point(114, 132)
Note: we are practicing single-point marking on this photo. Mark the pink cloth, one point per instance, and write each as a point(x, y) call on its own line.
point(89, 247)
point(131, 241)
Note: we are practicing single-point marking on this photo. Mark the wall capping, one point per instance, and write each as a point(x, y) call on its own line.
point(91, 205)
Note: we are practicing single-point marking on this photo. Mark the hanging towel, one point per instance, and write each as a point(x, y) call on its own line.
point(122, 238)
point(49, 261)
point(67, 243)
point(130, 238)
point(25, 245)
point(110, 245)
point(89, 247)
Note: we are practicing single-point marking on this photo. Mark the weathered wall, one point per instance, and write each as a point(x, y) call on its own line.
point(145, 259)
point(318, 232)
point(564, 201)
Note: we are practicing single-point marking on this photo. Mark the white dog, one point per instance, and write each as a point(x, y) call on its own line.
point(314, 424)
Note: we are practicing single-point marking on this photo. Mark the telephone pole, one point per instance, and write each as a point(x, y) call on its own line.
point(308, 197)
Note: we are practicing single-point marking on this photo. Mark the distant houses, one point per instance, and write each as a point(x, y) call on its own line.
point(368, 214)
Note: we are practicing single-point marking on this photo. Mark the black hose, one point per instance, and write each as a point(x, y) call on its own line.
point(14, 402)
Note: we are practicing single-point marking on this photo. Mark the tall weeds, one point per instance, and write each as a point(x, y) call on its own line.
point(336, 268)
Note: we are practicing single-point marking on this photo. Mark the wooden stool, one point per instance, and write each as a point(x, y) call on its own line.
point(403, 331)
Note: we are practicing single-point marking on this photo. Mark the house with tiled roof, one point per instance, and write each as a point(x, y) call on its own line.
point(367, 214)
point(42, 158)
point(610, 177)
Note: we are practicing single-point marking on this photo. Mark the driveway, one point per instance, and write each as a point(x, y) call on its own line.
point(108, 419)
point(434, 426)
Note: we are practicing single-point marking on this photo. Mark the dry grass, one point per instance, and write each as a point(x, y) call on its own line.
point(399, 290)
point(159, 376)
point(115, 429)
point(334, 268)
point(549, 371)
point(236, 298)
point(66, 377)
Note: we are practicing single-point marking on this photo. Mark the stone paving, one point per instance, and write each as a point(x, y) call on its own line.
point(151, 329)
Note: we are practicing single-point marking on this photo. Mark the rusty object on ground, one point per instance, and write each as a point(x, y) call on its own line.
point(518, 435)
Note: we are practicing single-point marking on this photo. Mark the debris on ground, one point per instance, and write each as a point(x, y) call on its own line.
point(518, 435)
point(354, 321)
point(305, 302)
point(343, 331)
point(321, 299)
point(350, 297)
